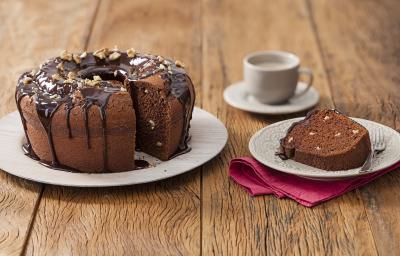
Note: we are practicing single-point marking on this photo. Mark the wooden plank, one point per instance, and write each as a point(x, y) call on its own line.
point(360, 45)
point(233, 222)
point(30, 32)
point(151, 219)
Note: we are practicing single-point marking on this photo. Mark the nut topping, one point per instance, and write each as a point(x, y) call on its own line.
point(338, 134)
point(123, 89)
point(56, 77)
point(27, 80)
point(101, 54)
point(326, 118)
point(131, 53)
point(91, 82)
point(83, 55)
point(96, 78)
point(60, 66)
point(76, 58)
point(65, 55)
point(71, 75)
point(160, 58)
point(162, 67)
point(179, 64)
point(312, 133)
point(159, 144)
point(290, 139)
point(355, 131)
point(317, 148)
point(114, 56)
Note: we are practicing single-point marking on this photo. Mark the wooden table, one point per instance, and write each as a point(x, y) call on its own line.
point(353, 48)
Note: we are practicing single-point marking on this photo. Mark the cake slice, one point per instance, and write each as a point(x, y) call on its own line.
point(328, 140)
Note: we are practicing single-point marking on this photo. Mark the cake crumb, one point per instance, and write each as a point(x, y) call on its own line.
point(338, 134)
point(355, 131)
point(146, 91)
point(312, 133)
point(317, 148)
point(326, 118)
point(159, 144)
point(290, 139)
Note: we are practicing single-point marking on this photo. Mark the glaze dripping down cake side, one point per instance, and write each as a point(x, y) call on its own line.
point(328, 140)
point(89, 112)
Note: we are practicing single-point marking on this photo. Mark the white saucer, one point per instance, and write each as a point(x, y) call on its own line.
point(265, 143)
point(208, 138)
point(237, 96)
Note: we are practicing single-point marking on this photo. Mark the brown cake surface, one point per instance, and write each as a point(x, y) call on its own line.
point(328, 140)
point(88, 112)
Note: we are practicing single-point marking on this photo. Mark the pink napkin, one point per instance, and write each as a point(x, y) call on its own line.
point(258, 179)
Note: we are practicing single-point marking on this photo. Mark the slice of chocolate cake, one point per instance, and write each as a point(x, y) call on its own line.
point(328, 140)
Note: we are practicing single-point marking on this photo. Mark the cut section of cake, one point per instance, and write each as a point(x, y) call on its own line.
point(328, 140)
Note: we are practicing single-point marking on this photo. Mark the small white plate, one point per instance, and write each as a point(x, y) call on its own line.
point(237, 96)
point(265, 143)
point(208, 138)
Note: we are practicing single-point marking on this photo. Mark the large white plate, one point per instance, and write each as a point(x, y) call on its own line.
point(208, 138)
point(265, 143)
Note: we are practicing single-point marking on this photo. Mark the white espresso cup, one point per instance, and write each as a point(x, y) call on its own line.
point(272, 76)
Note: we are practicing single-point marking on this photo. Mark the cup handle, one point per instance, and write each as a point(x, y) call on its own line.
point(307, 72)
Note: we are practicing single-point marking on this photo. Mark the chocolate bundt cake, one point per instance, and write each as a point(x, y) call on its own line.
point(328, 140)
point(88, 112)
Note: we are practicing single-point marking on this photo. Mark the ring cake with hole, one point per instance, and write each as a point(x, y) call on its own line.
point(89, 112)
point(328, 140)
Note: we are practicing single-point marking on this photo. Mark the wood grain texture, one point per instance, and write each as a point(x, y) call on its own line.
point(234, 223)
point(364, 77)
point(160, 218)
point(27, 39)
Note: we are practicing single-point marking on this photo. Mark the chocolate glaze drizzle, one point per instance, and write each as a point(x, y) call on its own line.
point(72, 83)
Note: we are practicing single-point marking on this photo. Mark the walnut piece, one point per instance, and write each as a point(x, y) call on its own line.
point(76, 58)
point(56, 77)
point(179, 64)
point(65, 55)
point(114, 56)
point(131, 52)
point(83, 55)
point(27, 80)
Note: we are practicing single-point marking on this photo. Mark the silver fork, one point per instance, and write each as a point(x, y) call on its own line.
point(378, 145)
